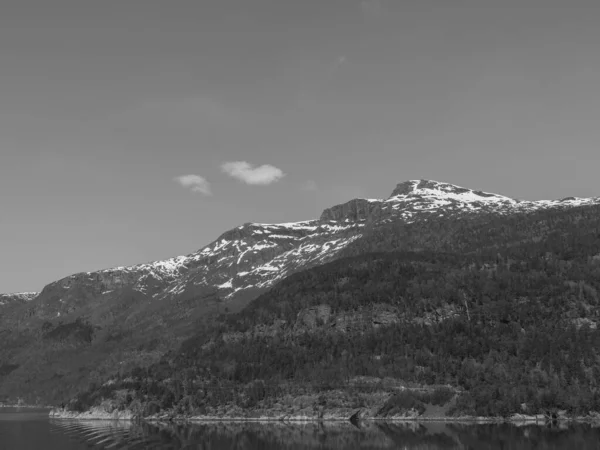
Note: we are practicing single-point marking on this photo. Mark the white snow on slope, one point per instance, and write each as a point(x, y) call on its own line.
point(435, 197)
point(258, 255)
point(442, 196)
point(227, 285)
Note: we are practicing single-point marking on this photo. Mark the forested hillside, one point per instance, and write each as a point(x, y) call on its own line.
point(503, 309)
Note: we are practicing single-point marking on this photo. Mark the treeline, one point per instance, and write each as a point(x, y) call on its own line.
point(504, 310)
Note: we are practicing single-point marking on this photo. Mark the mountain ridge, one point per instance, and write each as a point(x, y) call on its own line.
point(248, 259)
point(421, 192)
point(410, 201)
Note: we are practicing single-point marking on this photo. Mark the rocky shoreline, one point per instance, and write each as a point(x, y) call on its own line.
point(17, 406)
point(98, 413)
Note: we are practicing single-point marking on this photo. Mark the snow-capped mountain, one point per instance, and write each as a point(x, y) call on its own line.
point(245, 261)
point(126, 317)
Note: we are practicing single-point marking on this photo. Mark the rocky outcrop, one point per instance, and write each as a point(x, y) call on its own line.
point(358, 321)
point(419, 186)
point(20, 297)
point(354, 210)
point(584, 322)
point(96, 413)
point(312, 318)
point(323, 318)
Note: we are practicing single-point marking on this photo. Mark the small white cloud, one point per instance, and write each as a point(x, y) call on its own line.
point(309, 185)
point(194, 183)
point(261, 175)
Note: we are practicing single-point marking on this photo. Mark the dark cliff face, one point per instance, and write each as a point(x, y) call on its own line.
point(355, 210)
point(407, 187)
point(416, 187)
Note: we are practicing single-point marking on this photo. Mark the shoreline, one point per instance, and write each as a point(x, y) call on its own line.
point(26, 406)
point(127, 415)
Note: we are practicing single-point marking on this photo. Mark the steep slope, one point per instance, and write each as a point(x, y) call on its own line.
point(83, 327)
point(248, 258)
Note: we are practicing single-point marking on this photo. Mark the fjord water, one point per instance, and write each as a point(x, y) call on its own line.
point(32, 430)
point(25, 429)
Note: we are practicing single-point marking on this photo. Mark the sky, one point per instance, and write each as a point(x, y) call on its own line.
point(137, 130)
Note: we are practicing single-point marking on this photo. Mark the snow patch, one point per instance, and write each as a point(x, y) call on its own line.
point(226, 285)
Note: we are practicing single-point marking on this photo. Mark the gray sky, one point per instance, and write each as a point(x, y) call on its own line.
point(103, 104)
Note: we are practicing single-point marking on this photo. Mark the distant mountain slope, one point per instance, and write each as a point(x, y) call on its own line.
point(86, 325)
point(19, 297)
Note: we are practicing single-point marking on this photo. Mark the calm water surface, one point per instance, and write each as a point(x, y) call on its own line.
point(32, 430)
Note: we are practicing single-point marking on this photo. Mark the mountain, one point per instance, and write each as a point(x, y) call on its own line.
point(86, 325)
point(504, 322)
point(247, 260)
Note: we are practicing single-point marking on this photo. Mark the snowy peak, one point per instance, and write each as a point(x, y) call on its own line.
point(414, 186)
point(418, 200)
point(430, 188)
point(413, 200)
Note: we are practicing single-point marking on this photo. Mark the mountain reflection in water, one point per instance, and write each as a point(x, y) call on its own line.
point(334, 436)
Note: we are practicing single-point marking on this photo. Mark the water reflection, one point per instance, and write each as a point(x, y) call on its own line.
point(334, 436)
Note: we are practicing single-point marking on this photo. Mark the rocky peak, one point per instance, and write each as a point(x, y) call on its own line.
point(440, 189)
point(411, 197)
point(409, 187)
point(355, 210)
